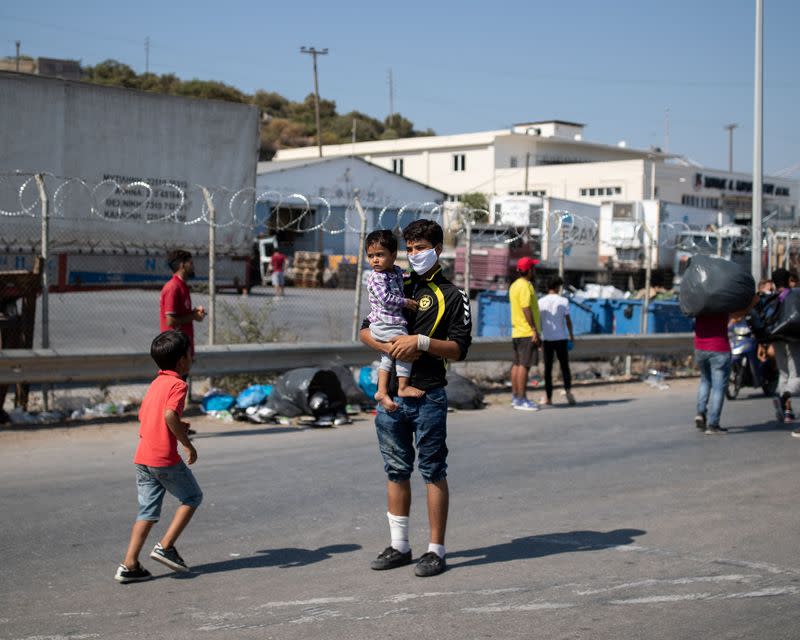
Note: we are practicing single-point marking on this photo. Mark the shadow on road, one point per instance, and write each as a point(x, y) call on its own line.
point(770, 425)
point(544, 545)
point(286, 558)
point(245, 432)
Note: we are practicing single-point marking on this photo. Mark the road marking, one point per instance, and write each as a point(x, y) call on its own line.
point(402, 597)
point(766, 592)
point(664, 598)
point(656, 581)
point(533, 606)
point(305, 603)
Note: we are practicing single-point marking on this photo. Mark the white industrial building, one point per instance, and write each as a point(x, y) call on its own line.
point(551, 158)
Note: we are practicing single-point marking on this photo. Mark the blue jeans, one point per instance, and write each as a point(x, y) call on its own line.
point(715, 366)
point(416, 421)
point(153, 482)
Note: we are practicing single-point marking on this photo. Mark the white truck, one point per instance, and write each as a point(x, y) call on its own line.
point(124, 172)
point(624, 228)
point(553, 225)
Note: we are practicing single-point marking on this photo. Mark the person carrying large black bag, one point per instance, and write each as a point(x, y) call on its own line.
point(782, 328)
point(711, 290)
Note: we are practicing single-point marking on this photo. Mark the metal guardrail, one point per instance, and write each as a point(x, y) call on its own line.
point(106, 365)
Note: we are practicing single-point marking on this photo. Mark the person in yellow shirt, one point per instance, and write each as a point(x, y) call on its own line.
point(526, 331)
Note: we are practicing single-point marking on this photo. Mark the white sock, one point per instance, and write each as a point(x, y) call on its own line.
point(398, 527)
point(438, 549)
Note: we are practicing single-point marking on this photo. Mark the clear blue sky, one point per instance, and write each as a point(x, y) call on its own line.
point(471, 66)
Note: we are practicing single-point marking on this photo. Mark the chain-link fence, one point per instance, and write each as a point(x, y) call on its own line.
point(104, 245)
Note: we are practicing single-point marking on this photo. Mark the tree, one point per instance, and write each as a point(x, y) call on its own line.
point(479, 204)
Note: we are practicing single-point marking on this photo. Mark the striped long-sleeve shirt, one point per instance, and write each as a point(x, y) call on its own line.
point(386, 299)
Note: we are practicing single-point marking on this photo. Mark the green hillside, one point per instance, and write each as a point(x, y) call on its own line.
point(284, 124)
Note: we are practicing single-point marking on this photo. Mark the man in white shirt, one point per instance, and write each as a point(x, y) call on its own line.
point(556, 337)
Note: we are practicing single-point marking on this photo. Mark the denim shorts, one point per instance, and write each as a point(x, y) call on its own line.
point(153, 482)
point(420, 422)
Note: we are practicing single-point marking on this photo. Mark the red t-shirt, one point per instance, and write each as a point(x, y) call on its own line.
point(278, 260)
point(176, 300)
point(711, 333)
point(158, 446)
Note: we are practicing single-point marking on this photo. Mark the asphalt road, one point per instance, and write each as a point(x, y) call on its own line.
point(612, 519)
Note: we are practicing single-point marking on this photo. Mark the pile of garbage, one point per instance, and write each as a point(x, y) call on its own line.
point(320, 397)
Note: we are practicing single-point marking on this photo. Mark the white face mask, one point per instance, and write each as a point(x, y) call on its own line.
point(423, 261)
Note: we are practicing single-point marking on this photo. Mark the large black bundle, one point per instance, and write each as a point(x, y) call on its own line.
point(307, 391)
point(774, 320)
point(715, 285)
point(462, 393)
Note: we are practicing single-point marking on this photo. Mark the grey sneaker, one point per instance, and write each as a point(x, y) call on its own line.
point(570, 398)
point(700, 421)
point(169, 557)
point(429, 564)
point(139, 574)
point(715, 430)
point(796, 433)
point(390, 558)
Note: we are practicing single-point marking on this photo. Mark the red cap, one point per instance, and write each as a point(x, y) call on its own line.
point(526, 264)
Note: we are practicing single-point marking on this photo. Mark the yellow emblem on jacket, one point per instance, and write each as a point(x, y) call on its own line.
point(425, 302)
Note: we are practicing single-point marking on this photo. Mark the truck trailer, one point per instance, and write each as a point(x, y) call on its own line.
point(124, 173)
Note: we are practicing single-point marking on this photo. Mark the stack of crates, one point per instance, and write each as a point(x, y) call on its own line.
point(308, 268)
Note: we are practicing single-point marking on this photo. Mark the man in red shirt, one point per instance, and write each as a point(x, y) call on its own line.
point(175, 305)
point(278, 263)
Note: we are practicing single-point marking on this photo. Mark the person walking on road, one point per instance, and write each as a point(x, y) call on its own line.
point(787, 359)
point(556, 337)
point(159, 467)
point(439, 330)
point(278, 262)
point(525, 333)
point(713, 357)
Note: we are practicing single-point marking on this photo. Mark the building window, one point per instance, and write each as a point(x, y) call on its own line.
point(397, 166)
point(600, 191)
point(459, 162)
point(512, 162)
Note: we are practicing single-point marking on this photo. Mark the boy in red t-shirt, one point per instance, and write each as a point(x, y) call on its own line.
point(159, 468)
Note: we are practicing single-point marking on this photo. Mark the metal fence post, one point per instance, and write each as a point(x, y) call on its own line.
point(468, 253)
point(212, 266)
point(647, 276)
point(362, 234)
point(45, 253)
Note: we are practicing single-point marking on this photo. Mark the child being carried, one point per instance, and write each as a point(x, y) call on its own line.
point(386, 301)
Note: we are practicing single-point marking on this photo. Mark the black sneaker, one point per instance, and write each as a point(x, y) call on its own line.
point(430, 564)
point(390, 558)
point(139, 574)
point(700, 421)
point(796, 433)
point(715, 430)
point(169, 557)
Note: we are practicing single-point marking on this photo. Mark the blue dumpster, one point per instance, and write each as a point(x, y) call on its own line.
point(666, 317)
point(662, 317)
point(583, 318)
point(603, 314)
point(494, 314)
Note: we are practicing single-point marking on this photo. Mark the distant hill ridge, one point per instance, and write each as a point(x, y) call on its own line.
point(285, 124)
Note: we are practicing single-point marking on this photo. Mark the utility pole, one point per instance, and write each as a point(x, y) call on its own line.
point(147, 54)
point(730, 128)
point(758, 139)
point(666, 130)
point(527, 165)
point(314, 53)
point(18, 44)
point(391, 99)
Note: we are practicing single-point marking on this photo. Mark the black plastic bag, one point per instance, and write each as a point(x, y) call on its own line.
point(778, 324)
point(463, 393)
point(714, 285)
point(307, 391)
